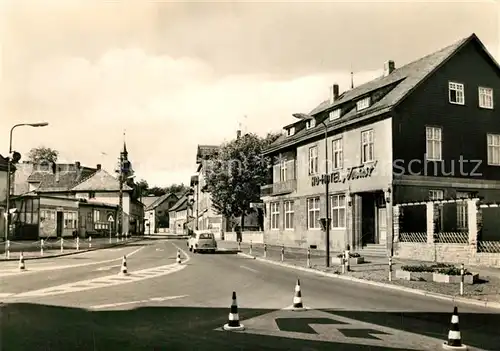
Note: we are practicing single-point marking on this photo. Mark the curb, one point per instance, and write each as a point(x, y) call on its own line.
point(68, 253)
point(487, 304)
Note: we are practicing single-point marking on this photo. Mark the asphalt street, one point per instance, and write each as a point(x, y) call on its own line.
point(165, 306)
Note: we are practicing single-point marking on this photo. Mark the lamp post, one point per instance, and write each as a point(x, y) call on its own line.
point(9, 159)
point(307, 117)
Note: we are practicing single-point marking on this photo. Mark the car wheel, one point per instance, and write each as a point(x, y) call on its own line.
point(212, 251)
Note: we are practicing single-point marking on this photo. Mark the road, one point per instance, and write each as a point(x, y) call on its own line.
point(161, 305)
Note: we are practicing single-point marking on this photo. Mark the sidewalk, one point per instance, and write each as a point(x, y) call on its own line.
point(376, 269)
point(52, 247)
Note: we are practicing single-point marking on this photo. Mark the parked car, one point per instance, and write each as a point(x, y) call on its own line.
point(202, 241)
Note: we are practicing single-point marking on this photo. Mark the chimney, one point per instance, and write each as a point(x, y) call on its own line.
point(77, 164)
point(98, 167)
point(334, 93)
point(238, 134)
point(389, 67)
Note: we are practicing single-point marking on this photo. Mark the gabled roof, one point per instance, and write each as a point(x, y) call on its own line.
point(180, 205)
point(62, 181)
point(204, 152)
point(100, 181)
point(148, 200)
point(4, 164)
point(160, 200)
point(399, 84)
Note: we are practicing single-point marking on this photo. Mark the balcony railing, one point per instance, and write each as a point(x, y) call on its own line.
point(280, 188)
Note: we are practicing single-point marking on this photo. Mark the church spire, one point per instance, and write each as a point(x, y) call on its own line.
point(124, 152)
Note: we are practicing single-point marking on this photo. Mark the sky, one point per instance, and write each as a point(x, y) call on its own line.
point(173, 75)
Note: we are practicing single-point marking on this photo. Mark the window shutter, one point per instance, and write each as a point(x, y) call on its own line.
point(290, 169)
point(276, 173)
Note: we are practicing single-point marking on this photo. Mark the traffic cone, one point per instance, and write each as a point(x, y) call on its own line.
point(178, 260)
point(22, 267)
point(454, 337)
point(124, 270)
point(297, 298)
point(233, 323)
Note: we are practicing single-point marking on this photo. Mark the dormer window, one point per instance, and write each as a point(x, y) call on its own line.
point(290, 131)
point(363, 103)
point(311, 123)
point(335, 114)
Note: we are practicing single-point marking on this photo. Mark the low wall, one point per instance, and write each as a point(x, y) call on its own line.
point(452, 253)
point(255, 237)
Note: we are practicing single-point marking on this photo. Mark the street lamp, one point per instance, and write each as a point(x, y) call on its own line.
point(306, 117)
point(9, 159)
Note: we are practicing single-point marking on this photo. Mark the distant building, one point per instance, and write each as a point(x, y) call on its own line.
point(156, 213)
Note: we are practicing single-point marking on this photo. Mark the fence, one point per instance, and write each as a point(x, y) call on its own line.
point(464, 230)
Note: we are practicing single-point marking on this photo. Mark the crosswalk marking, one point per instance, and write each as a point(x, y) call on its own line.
point(104, 281)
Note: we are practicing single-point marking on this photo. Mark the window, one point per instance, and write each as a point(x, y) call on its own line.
point(289, 215)
point(494, 149)
point(275, 215)
point(69, 220)
point(456, 93)
point(313, 160)
point(311, 123)
point(337, 153)
point(290, 131)
point(97, 216)
point(367, 147)
point(313, 213)
point(283, 170)
point(335, 114)
point(363, 103)
point(91, 195)
point(436, 195)
point(485, 97)
point(338, 211)
point(433, 143)
point(462, 222)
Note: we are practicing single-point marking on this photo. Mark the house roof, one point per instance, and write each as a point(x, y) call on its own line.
point(100, 181)
point(400, 83)
point(160, 200)
point(148, 200)
point(65, 178)
point(204, 151)
point(180, 205)
point(4, 164)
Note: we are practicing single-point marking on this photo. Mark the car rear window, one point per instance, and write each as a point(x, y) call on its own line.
point(206, 236)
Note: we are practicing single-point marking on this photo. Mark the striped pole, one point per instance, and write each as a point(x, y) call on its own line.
point(390, 269)
point(233, 323)
point(62, 245)
point(308, 258)
point(462, 278)
point(282, 253)
point(250, 247)
point(22, 267)
point(77, 243)
point(454, 337)
point(7, 249)
point(41, 247)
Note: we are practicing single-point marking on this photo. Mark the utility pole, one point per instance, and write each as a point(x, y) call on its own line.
point(119, 229)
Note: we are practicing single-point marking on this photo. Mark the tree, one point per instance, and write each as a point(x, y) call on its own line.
point(43, 154)
point(156, 191)
point(177, 188)
point(143, 187)
point(236, 172)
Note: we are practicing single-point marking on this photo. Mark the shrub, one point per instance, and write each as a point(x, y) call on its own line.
point(442, 265)
point(452, 271)
point(351, 255)
point(417, 269)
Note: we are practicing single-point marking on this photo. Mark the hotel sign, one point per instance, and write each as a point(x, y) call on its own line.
point(353, 173)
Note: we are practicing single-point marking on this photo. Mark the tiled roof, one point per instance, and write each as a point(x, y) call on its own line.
point(63, 180)
point(160, 200)
point(148, 200)
point(100, 181)
point(400, 83)
point(204, 151)
point(180, 205)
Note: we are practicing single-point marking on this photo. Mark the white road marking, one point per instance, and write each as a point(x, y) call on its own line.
point(107, 268)
point(249, 269)
point(10, 272)
point(2, 295)
point(153, 299)
point(159, 249)
point(108, 281)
